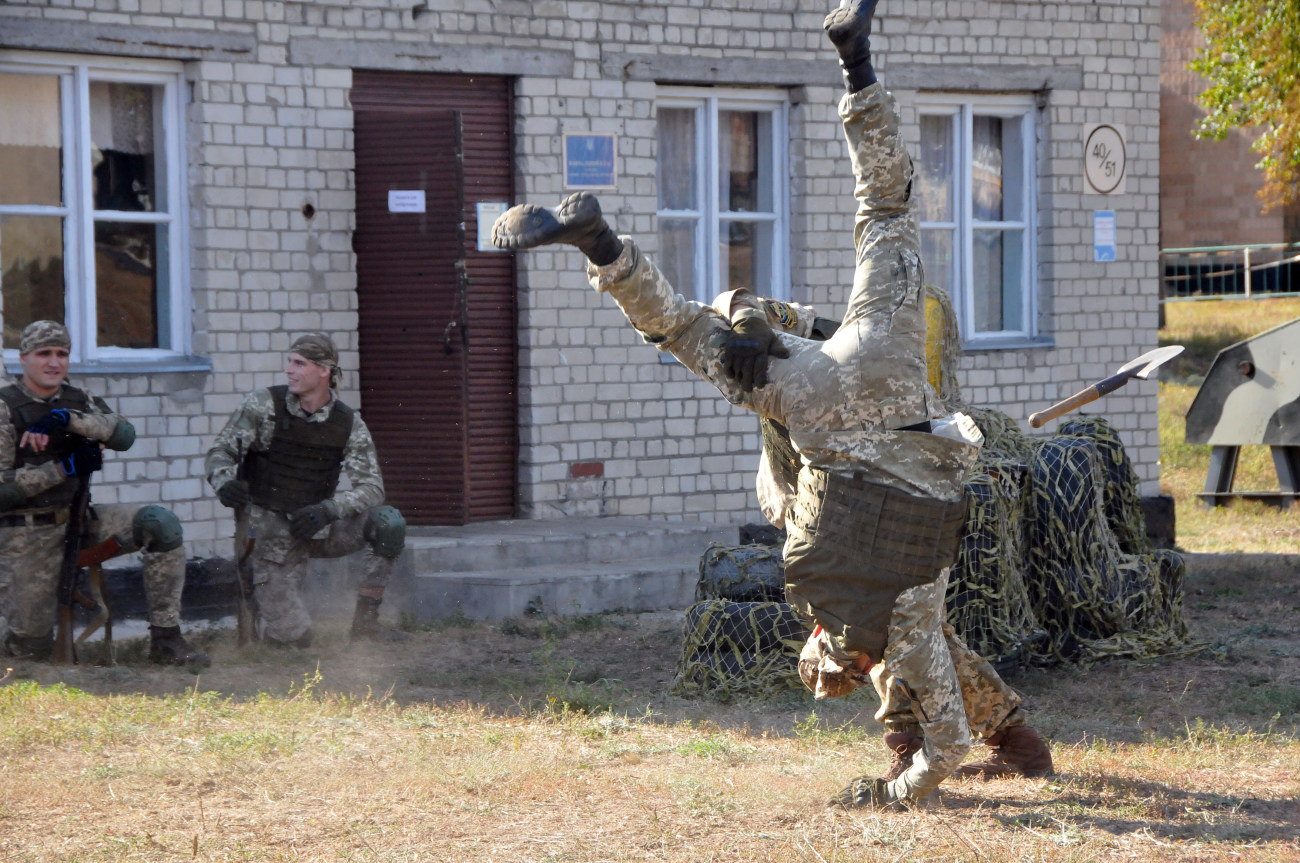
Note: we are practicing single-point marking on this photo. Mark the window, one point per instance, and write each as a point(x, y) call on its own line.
point(975, 182)
point(91, 206)
point(722, 191)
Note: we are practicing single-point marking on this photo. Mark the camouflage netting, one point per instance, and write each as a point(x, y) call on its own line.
point(1073, 576)
point(740, 638)
point(1055, 564)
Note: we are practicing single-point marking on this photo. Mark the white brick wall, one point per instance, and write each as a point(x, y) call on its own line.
point(266, 137)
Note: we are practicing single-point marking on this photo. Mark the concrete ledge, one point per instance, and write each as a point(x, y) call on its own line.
point(419, 57)
point(689, 69)
point(126, 41)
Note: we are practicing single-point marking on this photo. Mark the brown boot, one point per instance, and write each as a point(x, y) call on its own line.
point(365, 623)
point(902, 745)
point(1017, 751)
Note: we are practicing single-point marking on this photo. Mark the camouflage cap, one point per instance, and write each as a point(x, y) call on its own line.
point(319, 349)
point(43, 334)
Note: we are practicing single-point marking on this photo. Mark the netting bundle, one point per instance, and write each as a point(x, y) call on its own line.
point(1097, 586)
point(739, 638)
point(740, 648)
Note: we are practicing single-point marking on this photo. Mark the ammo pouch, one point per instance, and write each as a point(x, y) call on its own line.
point(894, 532)
point(855, 545)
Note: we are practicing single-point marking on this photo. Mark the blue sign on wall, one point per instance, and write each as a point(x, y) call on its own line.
point(590, 161)
point(1103, 235)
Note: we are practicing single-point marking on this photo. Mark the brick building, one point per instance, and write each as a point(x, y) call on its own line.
point(1208, 189)
point(190, 183)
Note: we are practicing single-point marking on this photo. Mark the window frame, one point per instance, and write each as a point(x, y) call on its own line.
point(76, 72)
point(708, 102)
point(964, 108)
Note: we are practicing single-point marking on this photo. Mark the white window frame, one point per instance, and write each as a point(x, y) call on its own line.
point(707, 103)
point(963, 109)
point(76, 72)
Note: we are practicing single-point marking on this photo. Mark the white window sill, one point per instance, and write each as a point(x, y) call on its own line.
point(1011, 344)
point(151, 366)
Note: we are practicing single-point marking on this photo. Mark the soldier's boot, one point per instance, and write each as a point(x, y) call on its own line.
point(902, 746)
point(35, 647)
point(867, 791)
point(1017, 751)
point(577, 221)
point(365, 623)
point(849, 29)
point(168, 647)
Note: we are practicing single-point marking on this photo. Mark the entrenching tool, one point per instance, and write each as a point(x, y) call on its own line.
point(1140, 368)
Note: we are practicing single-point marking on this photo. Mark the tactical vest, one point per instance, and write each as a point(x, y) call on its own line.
point(24, 410)
point(855, 545)
point(302, 465)
point(781, 456)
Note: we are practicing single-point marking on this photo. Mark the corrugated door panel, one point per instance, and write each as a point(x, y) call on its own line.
point(446, 423)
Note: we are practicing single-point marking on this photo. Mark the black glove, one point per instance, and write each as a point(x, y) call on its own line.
point(54, 422)
point(233, 494)
point(88, 457)
point(304, 523)
point(749, 344)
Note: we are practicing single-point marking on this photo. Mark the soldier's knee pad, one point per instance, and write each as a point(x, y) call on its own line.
point(386, 531)
point(122, 438)
point(157, 528)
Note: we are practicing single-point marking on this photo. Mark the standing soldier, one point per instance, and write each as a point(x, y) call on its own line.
point(878, 513)
point(277, 463)
point(50, 434)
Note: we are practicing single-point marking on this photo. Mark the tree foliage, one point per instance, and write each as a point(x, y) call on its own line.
point(1252, 63)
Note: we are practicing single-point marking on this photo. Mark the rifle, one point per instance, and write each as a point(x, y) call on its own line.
point(65, 650)
point(92, 560)
point(244, 618)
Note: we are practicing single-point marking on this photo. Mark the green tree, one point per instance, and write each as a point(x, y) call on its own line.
point(1252, 62)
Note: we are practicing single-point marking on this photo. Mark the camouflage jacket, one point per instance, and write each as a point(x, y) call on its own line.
point(839, 418)
point(252, 427)
point(95, 424)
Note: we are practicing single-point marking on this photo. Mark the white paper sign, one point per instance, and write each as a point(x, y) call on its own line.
point(488, 213)
point(406, 200)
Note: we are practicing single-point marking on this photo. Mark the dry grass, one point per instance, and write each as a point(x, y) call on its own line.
point(1205, 327)
point(560, 742)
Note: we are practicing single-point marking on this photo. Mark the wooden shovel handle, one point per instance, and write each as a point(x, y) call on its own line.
point(1091, 394)
point(1064, 407)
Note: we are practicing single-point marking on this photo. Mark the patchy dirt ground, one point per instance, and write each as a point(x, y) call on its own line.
point(560, 740)
point(1243, 607)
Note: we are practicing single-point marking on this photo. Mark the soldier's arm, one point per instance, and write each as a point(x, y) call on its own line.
point(244, 431)
point(102, 424)
point(361, 465)
point(793, 318)
point(18, 484)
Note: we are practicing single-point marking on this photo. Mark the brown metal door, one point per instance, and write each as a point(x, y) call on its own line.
point(437, 318)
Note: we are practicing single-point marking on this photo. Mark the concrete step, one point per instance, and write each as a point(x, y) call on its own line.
point(566, 589)
point(503, 545)
point(495, 570)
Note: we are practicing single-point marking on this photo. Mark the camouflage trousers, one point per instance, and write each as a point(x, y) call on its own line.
point(990, 704)
point(917, 663)
point(31, 556)
point(279, 565)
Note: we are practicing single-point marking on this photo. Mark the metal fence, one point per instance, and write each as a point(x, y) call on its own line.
point(1230, 271)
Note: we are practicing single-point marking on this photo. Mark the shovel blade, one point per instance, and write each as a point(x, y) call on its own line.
point(1142, 367)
